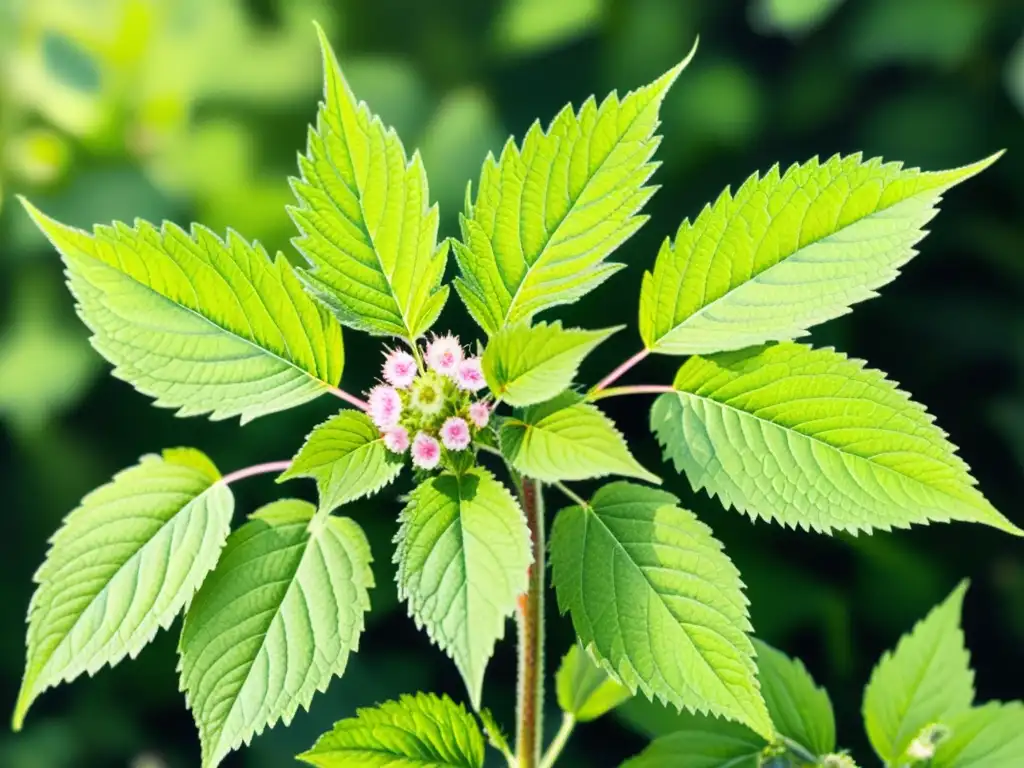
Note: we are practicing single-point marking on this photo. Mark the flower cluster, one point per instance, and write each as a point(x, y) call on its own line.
point(429, 410)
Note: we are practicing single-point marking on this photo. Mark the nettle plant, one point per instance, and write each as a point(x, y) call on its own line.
point(778, 430)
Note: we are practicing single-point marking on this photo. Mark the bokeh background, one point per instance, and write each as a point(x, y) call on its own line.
point(195, 109)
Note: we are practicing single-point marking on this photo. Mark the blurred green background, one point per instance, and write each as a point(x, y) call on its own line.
point(195, 109)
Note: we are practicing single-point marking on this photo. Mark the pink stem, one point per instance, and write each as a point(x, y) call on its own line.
point(255, 469)
point(636, 389)
point(350, 399)
point(614, 375)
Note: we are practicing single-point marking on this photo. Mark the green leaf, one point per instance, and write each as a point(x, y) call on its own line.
point(657, 602)
point(368, 229)
point(926, 680)
point(799, 709)
point(811, 438)
point(548, 214)
point(274, 623)
point(787, 252)
point(347, 458)
point(463, 554)
point(421, 731)
point(990, 736)
point(123, 565)
point(495, 736)
point(584, 690)
point(703, 743)
point(524, 365)
point(202, 324)
point(567, 439)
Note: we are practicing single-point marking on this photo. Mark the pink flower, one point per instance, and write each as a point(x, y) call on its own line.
point(470, 376)
point(444, 354)
point(426, 451)
point(396, 439)
point(399, 368)
point(385, 406)
point(479, 414)
point(455, 434)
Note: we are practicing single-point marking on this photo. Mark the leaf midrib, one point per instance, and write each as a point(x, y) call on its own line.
point(293, 580)
point(572, 207)
point(374, 123)
point(135, 555)
point(702, 310)
point(588, 512)
point(228, 331)
point(840, 451)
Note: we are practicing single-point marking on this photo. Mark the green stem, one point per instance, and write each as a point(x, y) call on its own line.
point(559, 742)
point(634, 389)
point(530, 621)
point(798, 750)
point(575, 497)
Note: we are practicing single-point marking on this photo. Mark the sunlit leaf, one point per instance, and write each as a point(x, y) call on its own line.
point(274, 623)
point(368, 230)
point(202, 324)
point(810, 438)
point(123, 565)
point(418, 731)
point(567, 439)
point(655, 599)
point(989, 736)
point(347, 458)
point(788, 251)
point(547, 214)
point(530, 364)
point(584, 690)
point(926, 680)
point(463, 552)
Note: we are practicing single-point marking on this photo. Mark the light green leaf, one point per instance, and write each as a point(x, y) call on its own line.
point(584, 690)
point(926, 680)
point(368, 229)
point(463, 553)
point(123, 565)
point(657, 602)
point(548, 214)
point(799, 709)
point(567, 439)
point(274, 623)
point(990, 736)
point(347, 458)
point(810, 438)
point(527, 27)
point(495, 736)
point(708, 743)
point(421, 731)
point(202, 324)
point(787, 252)
point(524, 365)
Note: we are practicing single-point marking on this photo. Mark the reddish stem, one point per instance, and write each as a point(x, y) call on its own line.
point(530, 620)
point(350, 399)
point(614, 376)
point(255, 469)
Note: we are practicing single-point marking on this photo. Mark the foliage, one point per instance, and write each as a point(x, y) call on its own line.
point(783, 431)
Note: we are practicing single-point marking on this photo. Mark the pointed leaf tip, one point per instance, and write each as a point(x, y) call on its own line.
point(669, 78)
